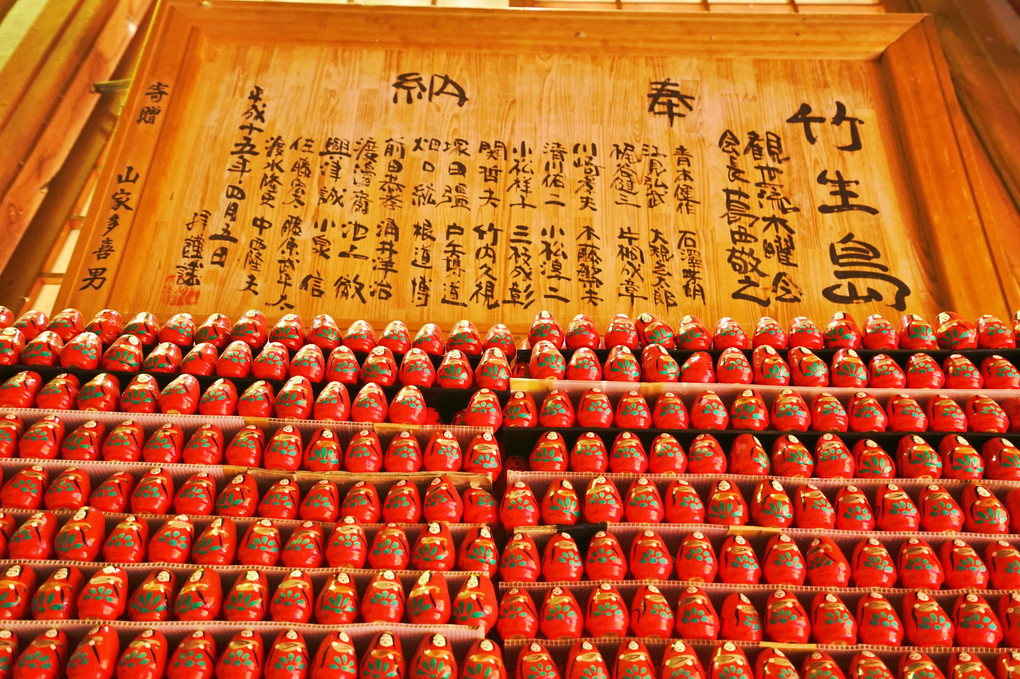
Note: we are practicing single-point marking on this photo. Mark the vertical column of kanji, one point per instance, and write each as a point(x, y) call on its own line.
point(210, 236)
point(270, 187)
point(293, 202)
point(418, 285)
point(686, 206)
point(340, 246)
point(453, 264)
point(662, 256)
point(333, 159)
point(390, 190)
point(554, 266)
point(243, 157)
point(625, 193)
point(590, 259)
point(457, 204)
point(674, 257)
point(778, 212)
point(744, 254)
point(423, 240)
point(115, 218)
point(520, 290)
point(488, 240)
point(555, 272)
point(862, 277)
point(119, 206)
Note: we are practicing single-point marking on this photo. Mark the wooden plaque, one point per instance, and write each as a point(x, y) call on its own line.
point(433, 164)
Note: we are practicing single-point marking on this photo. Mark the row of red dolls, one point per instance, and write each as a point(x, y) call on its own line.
point(956, 564)
point(253, 329)
point(954, 457)
point(224, 542)
point(442, 500)
point(246, 655)
point(789, 455)
point(912, 332)
point(296, 399)
point(952, 332)
point(107, 595)
point(801, 368)
point(273, 362)
point(493, 372)
point(285, 449)
point(894, 510)
point(863, 412)
point(153, 492)
point(729, 661)
point(783, 618)
point(148, 656)
point(200, 596)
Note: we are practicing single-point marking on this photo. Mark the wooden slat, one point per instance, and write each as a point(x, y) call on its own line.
point(5, 7)
point(40, 72)
point(25, 30)
point(921, 93)
point(747, 7)
point(980, 39)
point(982, 48)
point(76, 100)
point(16, 281)
point(741, 35)
point(175, 34)
point(998, 212)
point(65, 195)
point(840, 9)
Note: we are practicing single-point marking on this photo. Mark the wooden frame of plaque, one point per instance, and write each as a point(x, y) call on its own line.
point(438, 164)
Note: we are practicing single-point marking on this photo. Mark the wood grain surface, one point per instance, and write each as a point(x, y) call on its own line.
point(547, 80)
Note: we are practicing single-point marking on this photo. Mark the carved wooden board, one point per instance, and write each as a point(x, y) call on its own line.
point(439, 165)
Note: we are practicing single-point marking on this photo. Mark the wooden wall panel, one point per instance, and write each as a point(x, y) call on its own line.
point(981, 41)
point(580, 80)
